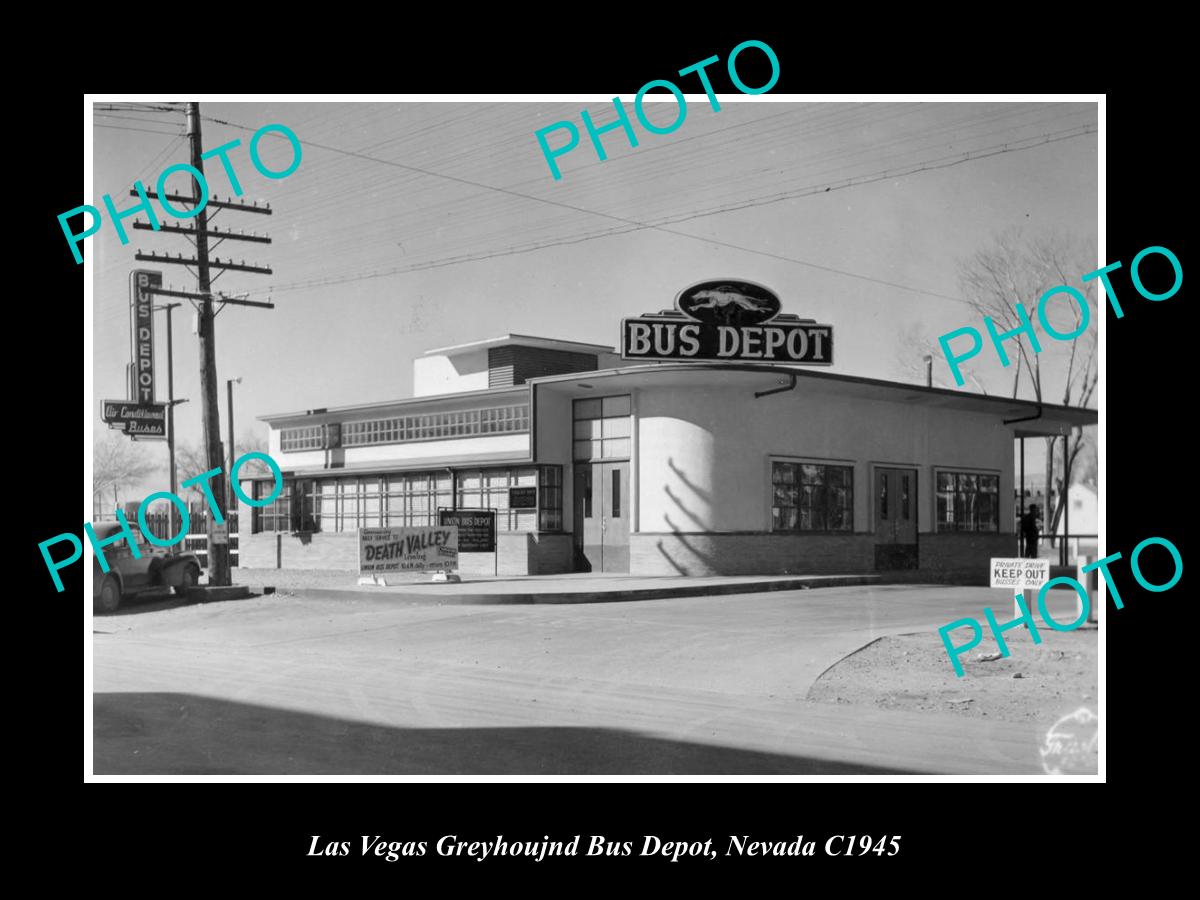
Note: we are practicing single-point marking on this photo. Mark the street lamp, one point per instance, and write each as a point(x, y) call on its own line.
point(229, 481)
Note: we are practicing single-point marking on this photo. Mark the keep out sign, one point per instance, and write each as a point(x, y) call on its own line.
point(1020, 574)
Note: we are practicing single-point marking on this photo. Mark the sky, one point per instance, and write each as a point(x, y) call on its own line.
point(413, 225)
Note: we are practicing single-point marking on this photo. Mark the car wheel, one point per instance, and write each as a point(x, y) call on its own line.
point(110, 596)
point(191, 578)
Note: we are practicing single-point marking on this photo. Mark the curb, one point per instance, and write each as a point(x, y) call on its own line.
point(562, 597)
point(206, 594)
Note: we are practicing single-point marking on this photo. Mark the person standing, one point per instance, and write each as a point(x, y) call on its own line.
point(1029, 532)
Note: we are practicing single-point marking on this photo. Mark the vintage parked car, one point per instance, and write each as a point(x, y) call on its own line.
point(156, 570)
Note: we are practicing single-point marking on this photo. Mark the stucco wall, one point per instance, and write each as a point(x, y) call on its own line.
point(751, 554)
point(554, 444)
point(449, 375)
point(705, 454)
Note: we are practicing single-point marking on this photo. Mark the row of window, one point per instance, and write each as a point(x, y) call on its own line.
point(413, 499)
point(804, 497)
point(817, 497)
point(400, 429)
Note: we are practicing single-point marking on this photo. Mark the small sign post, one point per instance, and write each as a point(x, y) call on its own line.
point(1024, 575)
point(476, 530)
point(1019, 573)
point(522, 498)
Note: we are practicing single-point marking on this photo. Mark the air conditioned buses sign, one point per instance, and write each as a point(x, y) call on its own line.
point(727, 321)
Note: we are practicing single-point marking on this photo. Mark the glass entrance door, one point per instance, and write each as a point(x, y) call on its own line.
point(602, 517)
point(895, 518)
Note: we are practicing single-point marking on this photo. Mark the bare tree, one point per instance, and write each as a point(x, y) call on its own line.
point(1020, 269)
point(251, 442)
point(192, 460)
point(117, 464)
point(912, 347)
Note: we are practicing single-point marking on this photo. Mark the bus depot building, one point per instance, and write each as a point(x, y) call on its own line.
point(597, 463)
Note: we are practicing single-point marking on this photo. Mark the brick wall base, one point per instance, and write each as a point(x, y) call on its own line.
point(521, 553)
point(962, 558)
point(943, 558)
point(750, 554)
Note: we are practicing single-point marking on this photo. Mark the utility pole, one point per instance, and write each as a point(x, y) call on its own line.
point(218, 554)
point(169, 307)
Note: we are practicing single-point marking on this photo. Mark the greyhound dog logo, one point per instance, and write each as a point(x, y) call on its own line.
point(728, 303)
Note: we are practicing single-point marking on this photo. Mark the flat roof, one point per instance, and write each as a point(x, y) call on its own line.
point(1049, 418)
point(386, 404)
point(524, 340)
point(423, 464)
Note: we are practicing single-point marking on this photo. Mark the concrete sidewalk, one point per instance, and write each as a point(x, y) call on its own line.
point(584, 587)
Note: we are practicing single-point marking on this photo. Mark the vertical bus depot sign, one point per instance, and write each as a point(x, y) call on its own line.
point(141, 315)
point(727, 321)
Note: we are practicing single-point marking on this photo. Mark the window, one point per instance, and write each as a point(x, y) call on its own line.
point(967, 501)
point(602, 428)
point(550, 498)
point(275, 516)
point(489, 488)
point(310, 437)
point(413, 498)
point(811, 497)
point(436, 426)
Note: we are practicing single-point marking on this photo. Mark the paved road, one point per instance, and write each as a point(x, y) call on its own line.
point(280, 685)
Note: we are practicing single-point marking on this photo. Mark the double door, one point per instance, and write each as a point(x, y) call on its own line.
point(895, 518)
point(602, 517)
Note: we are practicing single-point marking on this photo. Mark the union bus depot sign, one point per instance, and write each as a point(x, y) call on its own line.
point(727, 321)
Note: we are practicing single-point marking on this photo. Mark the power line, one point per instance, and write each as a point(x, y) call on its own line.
point(105, 115)
point(487, 212)
point(154, 161)
point(633, 225)
point(139, 107)
point(129, 128)
point(929, 165)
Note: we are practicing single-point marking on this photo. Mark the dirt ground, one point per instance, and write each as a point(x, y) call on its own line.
point(1037, 683)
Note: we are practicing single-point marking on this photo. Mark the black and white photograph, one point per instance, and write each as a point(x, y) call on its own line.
point(701, 432)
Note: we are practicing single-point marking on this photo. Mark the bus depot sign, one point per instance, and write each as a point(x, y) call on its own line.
point(141, 321)
point(727, 321)
point(426, 549)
